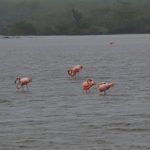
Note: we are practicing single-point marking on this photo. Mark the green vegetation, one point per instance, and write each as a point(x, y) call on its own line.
point(74, 17)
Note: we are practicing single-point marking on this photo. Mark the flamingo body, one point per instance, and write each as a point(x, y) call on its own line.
point(86, 85)
point(22, 81)
point(25, 81)
point(75, 70)
point(103, 87)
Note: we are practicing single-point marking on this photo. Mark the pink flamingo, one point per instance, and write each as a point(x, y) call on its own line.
point(86, 85)
point(75, 70)
point(103, 87)
point(22, 81)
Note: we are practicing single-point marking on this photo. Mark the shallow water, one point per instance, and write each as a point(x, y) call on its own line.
point(56, 114)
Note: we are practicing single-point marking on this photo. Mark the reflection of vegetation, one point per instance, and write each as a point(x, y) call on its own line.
point(51, 17)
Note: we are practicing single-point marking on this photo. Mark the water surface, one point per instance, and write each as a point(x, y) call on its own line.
point(56, 114)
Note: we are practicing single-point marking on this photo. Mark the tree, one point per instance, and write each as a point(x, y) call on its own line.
point(76, 15)
point(123, 16)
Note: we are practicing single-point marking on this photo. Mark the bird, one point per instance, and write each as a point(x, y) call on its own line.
point(87, 84)
point(72, 72)
point(111, 43)
point(22, 81)
point(103, 87)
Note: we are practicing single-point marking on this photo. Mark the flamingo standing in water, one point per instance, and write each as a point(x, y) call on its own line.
point(103, 87)
point(111, 43)
point(86, 85)
point(22, 81)
point(74, 71)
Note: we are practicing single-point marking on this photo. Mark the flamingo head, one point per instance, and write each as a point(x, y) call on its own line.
point(91, 82)
point(81, 66)
point(70, 72)
point(30, 79)
point(112, 84)
point(18, 78)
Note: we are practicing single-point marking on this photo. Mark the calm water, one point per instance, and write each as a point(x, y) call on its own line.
point(55, 114)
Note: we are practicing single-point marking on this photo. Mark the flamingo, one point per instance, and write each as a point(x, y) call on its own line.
point(22, 81)
point(75, 70)
point(103, 87)
point(86, 85)
point(111, 42)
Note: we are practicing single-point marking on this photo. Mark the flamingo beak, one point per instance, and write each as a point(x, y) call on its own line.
point(16, 80)
point(95, 86)
point(93, 83)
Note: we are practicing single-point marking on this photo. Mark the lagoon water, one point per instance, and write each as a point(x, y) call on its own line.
point(55, 114)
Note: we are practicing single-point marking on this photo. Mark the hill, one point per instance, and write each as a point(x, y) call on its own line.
point(57, 17)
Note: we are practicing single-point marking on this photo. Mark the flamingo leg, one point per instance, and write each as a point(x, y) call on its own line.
point(27, 87)
point(75, 77)
point(78, 75)
point(18, 86)
point(89, 91)
point(85, 91)
point(22, 88)
point(104, 92)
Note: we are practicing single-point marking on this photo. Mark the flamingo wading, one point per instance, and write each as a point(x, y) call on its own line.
point(22, 81)
point(74, 71)
point(87, 84)
point(103, 87)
